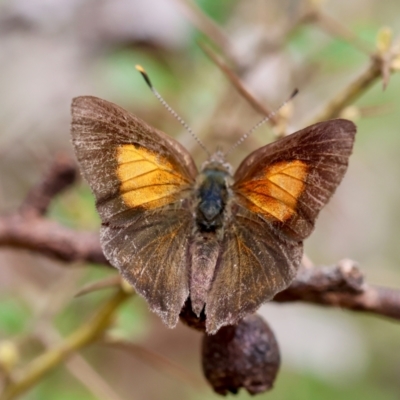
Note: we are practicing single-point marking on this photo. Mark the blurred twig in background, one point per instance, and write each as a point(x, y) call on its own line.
point(83, 336)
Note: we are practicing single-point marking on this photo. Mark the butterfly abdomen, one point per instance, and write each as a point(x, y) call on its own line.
point(211, 195)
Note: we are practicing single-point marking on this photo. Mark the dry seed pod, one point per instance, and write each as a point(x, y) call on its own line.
point(245, 355)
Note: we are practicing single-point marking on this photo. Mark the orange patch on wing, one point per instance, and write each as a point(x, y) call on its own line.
point(147, 178)
point(276, 190)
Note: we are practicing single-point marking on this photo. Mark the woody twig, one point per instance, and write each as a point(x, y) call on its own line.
point(237, 83)
point(43, 236)
point(351, 92)
point(28, 229)
point(342, 286)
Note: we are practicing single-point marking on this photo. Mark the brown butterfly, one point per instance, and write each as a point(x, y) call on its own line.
point(229, 242)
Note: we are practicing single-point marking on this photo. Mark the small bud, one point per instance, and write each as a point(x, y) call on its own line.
point(351, 112)
point(384, 40)
point(395, 65)
point(286, 111)
point(316, 3)
point(127, 287)
point(9, 355)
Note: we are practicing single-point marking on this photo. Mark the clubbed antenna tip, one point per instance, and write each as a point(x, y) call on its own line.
point(169, 108)
point(145, 76)
point(294, 94)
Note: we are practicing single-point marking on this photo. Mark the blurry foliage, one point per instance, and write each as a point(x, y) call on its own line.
point(75, 208)
point(217, 10)
point(185, 80)
point(71, 388)
point(13, 315)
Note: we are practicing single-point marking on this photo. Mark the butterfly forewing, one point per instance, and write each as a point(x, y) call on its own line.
point(127, 163)
point(290, 180)
point(141, 179)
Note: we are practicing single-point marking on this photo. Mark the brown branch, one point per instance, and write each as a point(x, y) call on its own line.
point(28, 229)
point(155, 360)
point(61, 174)
point(338, 286)
point(336, 29)
point(342, 286)
point(333, 286)
point(345, 277)
point(205, 25)
point(351, 92)
point(105, 283)
point(49, 238)
point(237, 83)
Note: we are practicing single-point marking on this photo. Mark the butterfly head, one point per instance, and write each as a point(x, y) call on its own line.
point(217, 161)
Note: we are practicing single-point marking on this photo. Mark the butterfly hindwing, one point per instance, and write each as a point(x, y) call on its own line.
point(152, 254)
point(140, 178)
point(255, 263)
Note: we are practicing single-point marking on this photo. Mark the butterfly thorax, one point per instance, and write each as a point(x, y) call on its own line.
point(212, 196)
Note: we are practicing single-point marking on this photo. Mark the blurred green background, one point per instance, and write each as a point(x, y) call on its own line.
point(51, 51)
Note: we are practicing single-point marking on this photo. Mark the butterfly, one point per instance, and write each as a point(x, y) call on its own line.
point(227, 241)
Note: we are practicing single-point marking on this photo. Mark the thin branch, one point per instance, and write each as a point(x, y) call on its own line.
point(206, 25)
point(105, 283)
point(237, 83)
point(84, 335)
point(89, 377)
point(49, 238)
point(61, 174)
point(342, 286)
point(351, 92)
point(315, 285)
point(155, 360)
point(338, 286)
point(336, 29)
point(28, 229)
point(78, 366)
point(33, 232)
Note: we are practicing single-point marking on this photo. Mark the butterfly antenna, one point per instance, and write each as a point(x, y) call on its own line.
point(170, 110)
point(263, 121)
